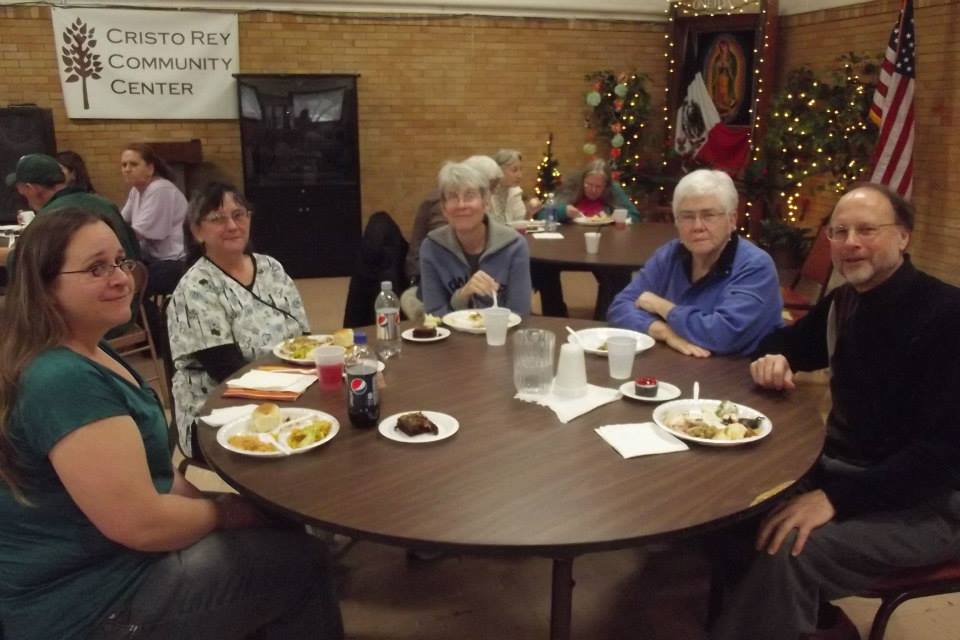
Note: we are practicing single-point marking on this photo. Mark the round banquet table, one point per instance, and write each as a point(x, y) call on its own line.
point(514, 479)
point(622, 251)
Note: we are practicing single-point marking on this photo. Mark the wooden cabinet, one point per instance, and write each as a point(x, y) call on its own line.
point(301, 168)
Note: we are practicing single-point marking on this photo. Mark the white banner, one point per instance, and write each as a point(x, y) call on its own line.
point(127, 64)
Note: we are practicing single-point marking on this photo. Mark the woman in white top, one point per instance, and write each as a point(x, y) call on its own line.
point(506, 202)
point(156, 209)
point(231, 307)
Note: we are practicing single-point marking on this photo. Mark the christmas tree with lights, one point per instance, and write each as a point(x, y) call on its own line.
point(817, 127)
point(548, 173)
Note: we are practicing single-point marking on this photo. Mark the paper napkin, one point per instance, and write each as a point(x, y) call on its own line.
point(220, 417)
point(269, 385)
point(569, 408)
point(640, 439)
point(547, 235)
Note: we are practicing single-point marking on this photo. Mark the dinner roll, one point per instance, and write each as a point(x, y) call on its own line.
point(266, 417)
point(343, 338)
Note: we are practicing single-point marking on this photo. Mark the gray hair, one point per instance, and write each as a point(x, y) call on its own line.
point(503, 157)
point(486, 167)
point(597, 166)
point(455, 177)
point(707, 182)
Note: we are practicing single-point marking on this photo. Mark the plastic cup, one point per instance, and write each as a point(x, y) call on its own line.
point(571, 380)
point(495, 320)
point(592, 240)
point(620, 218)
point(25, 217)
point(620, 354)
point(329, 361)
point(533, 360)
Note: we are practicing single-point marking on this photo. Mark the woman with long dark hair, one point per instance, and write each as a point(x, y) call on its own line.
point(75, 171)
point(99, 535)
point(155, 208)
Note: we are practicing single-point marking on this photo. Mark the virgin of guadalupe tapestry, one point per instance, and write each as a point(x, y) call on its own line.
point(725, 72)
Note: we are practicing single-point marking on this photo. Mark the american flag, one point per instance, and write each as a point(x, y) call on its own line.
point(892, 108)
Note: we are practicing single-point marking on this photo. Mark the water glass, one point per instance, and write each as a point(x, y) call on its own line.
point(533, 360)
point(495, 319)
point(620, 354)
point(329, 361)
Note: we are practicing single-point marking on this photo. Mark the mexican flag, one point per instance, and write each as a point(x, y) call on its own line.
point(702, 135)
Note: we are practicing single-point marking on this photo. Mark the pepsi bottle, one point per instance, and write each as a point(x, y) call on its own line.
point(363, 397)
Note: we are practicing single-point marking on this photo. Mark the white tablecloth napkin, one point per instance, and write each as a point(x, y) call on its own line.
point(569, 408)
point(220, 417)
point(273, 381)
point(640, 439)
point(547, 235)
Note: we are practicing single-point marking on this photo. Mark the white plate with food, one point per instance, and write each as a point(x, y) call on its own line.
point(528, 225)
point(665, 391)
point(595, 340)
point(471, 320)
point(300, 349)
point(716, 423)
point(594, 221)
point(276, 433)
point(418, 427)
point(442, 333)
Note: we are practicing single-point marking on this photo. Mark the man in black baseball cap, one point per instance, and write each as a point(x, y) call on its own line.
point(39, 179)
point(36, 178)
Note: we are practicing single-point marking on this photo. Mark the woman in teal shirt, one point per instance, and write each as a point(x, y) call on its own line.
point(593, 192)
point(99, 536)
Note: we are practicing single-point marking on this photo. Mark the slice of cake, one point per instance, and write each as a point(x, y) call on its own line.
point(428, 329)
point(646, 386)
point(416, 424)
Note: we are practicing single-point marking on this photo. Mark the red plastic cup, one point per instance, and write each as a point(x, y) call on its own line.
point(329, 361)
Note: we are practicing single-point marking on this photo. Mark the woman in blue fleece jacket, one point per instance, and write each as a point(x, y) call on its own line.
point(463, 263)
point(710, 291)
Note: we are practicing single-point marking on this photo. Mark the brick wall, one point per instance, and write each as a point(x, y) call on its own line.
point(430, 89)
point(817, 38)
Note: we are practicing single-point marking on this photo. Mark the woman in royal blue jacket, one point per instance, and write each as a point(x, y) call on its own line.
point(710, 291)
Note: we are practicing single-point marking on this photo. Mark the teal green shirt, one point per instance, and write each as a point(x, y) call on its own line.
point(618, 198)
point(58, 573)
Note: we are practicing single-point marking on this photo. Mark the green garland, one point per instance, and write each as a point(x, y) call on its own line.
point(618, 107)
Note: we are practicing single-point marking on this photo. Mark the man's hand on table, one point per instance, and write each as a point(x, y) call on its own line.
point(652, 303)
point(804, 513)
point(772, 372)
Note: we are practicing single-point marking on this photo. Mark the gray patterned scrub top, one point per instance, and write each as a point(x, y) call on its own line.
point(209, 309)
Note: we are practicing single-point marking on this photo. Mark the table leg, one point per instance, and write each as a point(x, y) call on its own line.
point(561, 598)
point(609, 284)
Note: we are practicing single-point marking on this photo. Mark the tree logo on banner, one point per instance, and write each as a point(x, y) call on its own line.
point(78, 60)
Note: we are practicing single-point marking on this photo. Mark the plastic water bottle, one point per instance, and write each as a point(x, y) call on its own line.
point(361, 350)
point(387, 308)
point(551, 223)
